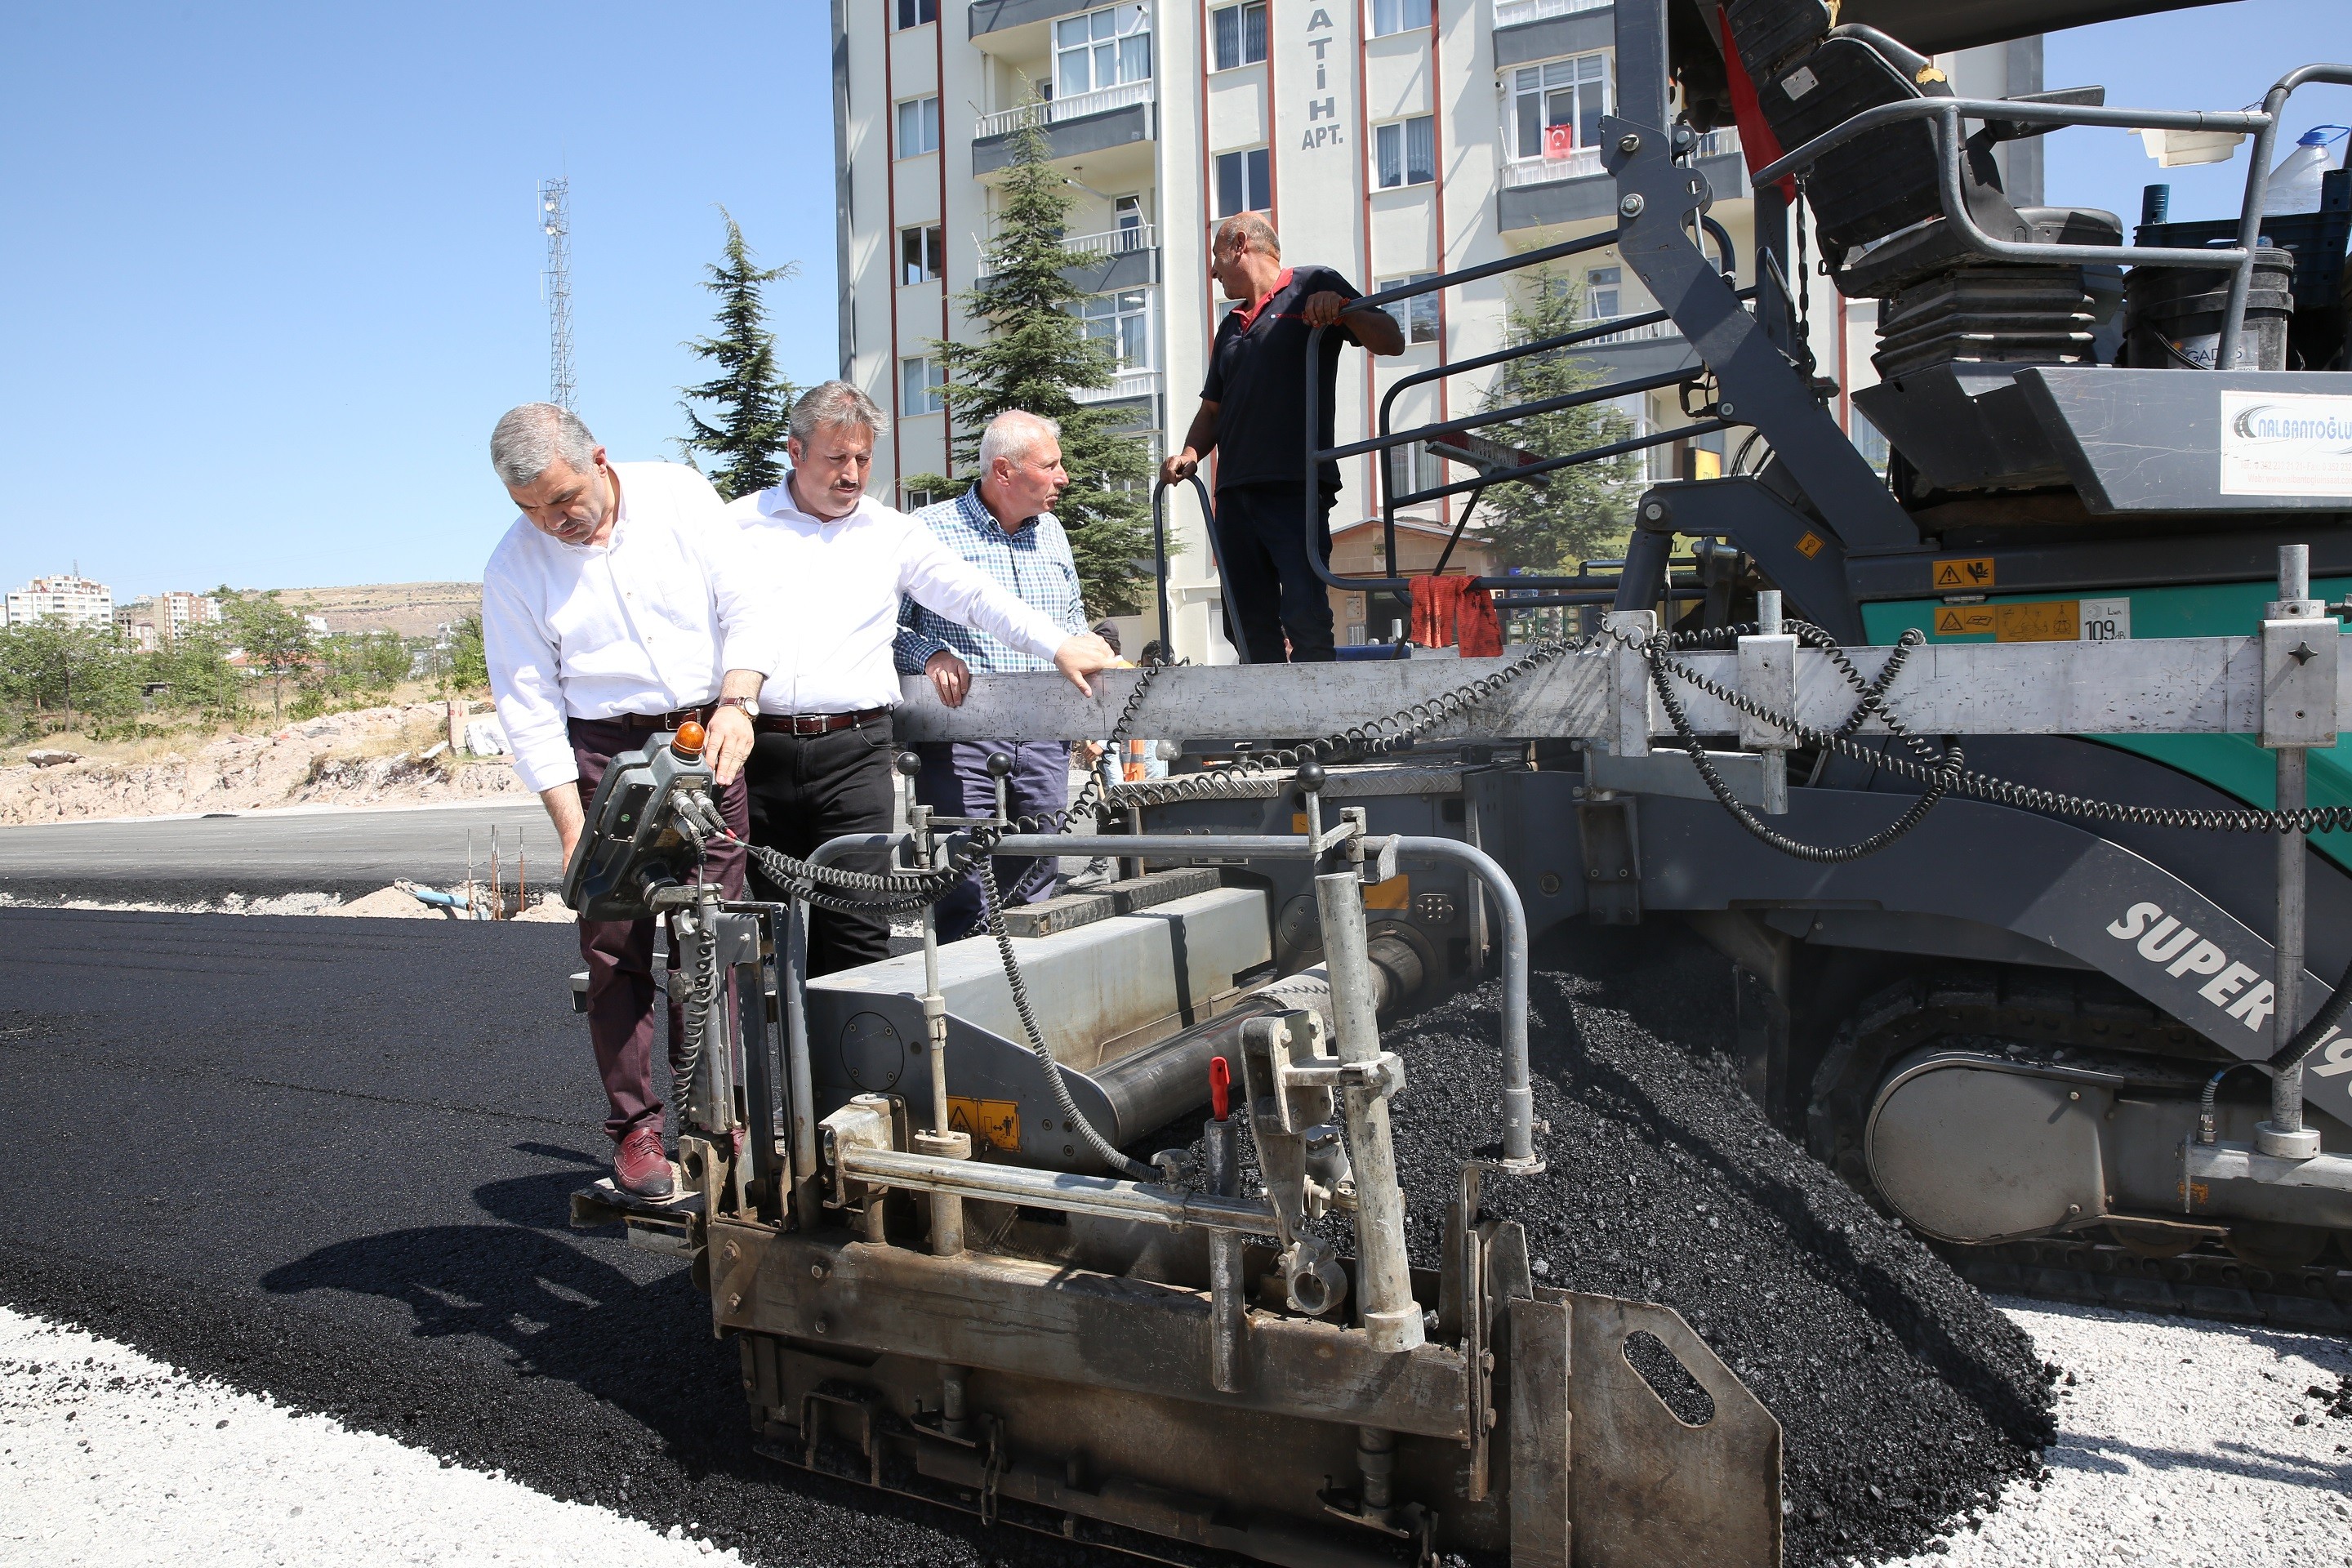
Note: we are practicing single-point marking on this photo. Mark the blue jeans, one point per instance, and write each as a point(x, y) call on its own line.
point(955, 782)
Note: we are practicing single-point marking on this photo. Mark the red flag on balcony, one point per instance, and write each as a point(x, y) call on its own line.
point(1559, 141)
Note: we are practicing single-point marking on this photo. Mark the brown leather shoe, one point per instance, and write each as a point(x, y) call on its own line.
point(639, 1166)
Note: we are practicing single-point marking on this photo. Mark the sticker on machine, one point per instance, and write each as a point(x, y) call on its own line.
point(2286, 445)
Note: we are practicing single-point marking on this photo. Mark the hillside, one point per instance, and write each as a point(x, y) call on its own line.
point(410, 609)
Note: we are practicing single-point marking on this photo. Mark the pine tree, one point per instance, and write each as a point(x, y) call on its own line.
point(1034, 355)
point(1550, 528)
point(751, 402)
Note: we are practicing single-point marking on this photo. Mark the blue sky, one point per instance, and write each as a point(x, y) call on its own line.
point(270, 272)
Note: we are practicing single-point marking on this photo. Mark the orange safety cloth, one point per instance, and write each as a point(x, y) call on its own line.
point(1444, 612)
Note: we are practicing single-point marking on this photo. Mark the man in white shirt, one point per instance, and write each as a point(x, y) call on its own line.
point(837, 563)
point(619, 605)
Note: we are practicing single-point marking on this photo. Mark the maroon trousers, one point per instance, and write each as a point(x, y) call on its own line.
point(619, 953)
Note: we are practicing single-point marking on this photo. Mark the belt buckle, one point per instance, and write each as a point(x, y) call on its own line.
point(808, 723)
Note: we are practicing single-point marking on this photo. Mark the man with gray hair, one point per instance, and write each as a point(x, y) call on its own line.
point(1253, 414)
point(1005, 526)
point(619, 605)
point(837, 563)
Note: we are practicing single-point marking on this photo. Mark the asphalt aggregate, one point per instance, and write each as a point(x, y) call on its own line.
point(332, 1164)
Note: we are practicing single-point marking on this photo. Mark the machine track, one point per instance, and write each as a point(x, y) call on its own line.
point(2082, 1020)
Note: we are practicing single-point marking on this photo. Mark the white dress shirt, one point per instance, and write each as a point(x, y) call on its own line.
point(649, 622)
point(837, 587)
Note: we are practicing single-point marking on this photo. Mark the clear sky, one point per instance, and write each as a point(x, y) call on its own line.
point(270, 272)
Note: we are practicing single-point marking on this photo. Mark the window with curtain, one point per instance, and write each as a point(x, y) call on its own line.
point(1412, 467)
point(1418, 315)
point(1123, 322)
point(1397, 16)
point(919, 381)
point(1404, 153)
point(1240, 34)
point(1244, 183)
point(1574, 93)
point(918, 127)
point(1101, 48)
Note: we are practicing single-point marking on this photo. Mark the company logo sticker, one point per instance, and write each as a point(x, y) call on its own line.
point(2286, 445)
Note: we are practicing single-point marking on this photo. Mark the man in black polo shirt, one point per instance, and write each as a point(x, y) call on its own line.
point(1254, 414)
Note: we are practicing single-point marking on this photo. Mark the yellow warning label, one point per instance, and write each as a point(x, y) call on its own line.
point(1967, 574)
point(1808, 544)
point(1298, 822)
point(1396, 893)
point(2039, 620)
point(992, 1123)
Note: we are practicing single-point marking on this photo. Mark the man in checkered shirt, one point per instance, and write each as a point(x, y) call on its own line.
point(1003, 526)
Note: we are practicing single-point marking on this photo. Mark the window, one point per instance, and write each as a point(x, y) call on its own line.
point(1123, 320)
point(919, 381)
point(1397, 16)
point(915, 13)
point(1411, 467)
point(1126, 222)
point(1102, 48)
point(1404, 153)
point(918, 127)
point(918, 500)
point(1240, 34)
point(1600, 293)
point(1418, 315)
point(1556, 108)
point(1244, 183)
point(922, 254)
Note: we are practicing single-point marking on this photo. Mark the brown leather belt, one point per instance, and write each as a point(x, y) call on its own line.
point(817, 723)
point(651, 722)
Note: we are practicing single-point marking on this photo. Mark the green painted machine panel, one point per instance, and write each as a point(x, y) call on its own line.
point(2235, 764)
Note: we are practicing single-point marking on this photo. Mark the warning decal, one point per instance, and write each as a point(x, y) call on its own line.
point(992, 1123)
point(1808, 544)
point(1969, 575)
point(2037, 620)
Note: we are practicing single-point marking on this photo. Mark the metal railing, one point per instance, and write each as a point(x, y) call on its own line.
point(1125, 241)
point(1944, 117)
point(1058, 111)
point(1581, 164)
point(1518, 13)
point(1123, 383)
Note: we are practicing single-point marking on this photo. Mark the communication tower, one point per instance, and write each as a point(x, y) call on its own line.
point(555, 217)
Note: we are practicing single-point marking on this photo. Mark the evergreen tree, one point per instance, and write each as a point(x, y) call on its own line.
point(751, 402)
point(1035, 355)
point(1549, 527)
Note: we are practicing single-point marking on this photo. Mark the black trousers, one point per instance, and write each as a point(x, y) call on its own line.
point(1274, 600)
point(805, 789)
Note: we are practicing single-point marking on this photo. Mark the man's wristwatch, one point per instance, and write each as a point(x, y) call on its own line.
point(749, 705)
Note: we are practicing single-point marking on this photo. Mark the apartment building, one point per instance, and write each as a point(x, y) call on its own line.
point(74, 601)
point(1389, 138)
point(160, 617)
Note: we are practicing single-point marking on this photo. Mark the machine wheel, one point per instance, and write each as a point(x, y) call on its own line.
point(2151, 1242)
point(2279, 1248)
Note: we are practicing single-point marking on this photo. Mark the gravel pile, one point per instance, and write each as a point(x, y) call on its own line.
point(1907, 1403)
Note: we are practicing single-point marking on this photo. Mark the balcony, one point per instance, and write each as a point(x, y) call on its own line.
point(1088, 123)
point(1582, 164)
point(1538, 192)
point(1519, 13)
point(1114, 258)
point(1528, 30)
point(1125, 384)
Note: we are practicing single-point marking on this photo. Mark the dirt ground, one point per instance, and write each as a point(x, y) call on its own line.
point(373, 757)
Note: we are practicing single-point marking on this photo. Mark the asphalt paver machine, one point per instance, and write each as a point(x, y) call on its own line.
point(2016, 914)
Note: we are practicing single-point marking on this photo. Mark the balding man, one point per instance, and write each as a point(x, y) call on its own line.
point(1253, 414)
point(837, 563)
point(1005, 526)
point(618, 606)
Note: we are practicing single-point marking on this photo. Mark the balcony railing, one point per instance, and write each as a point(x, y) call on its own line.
point(1518, 13)
point(1056, 110)
point(1718, 143)
point(1111, 241)
point(1125, 384)
point(1640, 334)
point(1577, 165)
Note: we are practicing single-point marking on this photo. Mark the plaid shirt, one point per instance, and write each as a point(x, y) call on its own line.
point(1035, 565)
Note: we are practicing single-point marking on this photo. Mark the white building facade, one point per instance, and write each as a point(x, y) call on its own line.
point(73, 601)
point(1388, 138)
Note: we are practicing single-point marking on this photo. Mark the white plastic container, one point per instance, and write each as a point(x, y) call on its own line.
point(2294, 183)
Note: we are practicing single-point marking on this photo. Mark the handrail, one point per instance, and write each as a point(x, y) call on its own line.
point(1159, 552)
point(2258, 182)
point(1808, 154)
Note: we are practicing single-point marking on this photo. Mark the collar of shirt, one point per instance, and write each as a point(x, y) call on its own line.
point(1248, 314)
point(777, 501)
point(976, 512)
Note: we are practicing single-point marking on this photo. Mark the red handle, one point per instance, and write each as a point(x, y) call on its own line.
point(1220, 1087)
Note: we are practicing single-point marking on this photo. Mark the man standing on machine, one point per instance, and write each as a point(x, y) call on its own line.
point(1003, 525)
point(618, 606)
point(836, 563)
point(1254, 414)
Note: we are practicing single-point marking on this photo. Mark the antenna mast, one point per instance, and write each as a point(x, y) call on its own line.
point(555, 217)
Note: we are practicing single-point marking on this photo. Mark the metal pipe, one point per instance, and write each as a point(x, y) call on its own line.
point(2250, 216)
point(1805, 156)
point(1226, 1291)
point(943, 1141)
point(2286, 1001)
point(1383, 1275)
point(1106, 1197)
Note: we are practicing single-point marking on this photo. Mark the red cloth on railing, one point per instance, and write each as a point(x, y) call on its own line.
point(1444, 611)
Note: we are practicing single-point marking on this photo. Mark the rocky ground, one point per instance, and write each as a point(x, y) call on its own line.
point(373, 757)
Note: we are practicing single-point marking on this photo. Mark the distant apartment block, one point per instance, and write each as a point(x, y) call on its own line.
point(160, 617)
point(73, 601)
point(1390, 139)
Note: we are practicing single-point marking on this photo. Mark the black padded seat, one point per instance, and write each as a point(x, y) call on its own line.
point(1932, 247)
